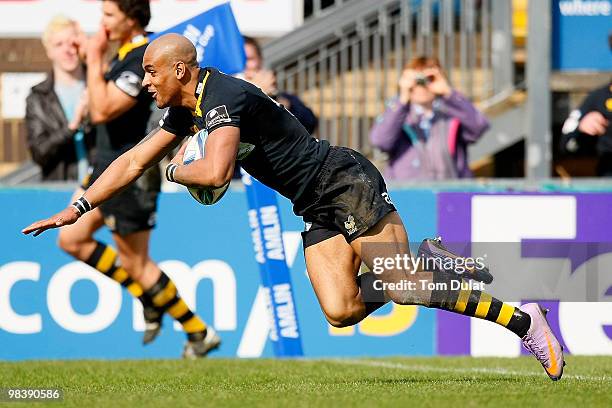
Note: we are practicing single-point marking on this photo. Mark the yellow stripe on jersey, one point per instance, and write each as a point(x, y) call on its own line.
point(126, 48)
point(198, 111)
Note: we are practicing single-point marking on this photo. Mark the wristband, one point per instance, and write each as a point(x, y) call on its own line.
point(170, 169)
point(82, 205)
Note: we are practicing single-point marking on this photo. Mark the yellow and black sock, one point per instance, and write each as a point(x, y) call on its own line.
point(476, 303)
point(165, 296)
point(104, 258)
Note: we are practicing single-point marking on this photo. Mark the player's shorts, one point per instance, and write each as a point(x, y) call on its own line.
point(135, 208)
point(348, 197)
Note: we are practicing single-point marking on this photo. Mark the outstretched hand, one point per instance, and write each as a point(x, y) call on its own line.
point(66, 217)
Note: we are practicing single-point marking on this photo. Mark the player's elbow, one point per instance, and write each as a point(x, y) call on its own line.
point(98, 117)
point(221, 175)
point(219, 179)
point(103, 113)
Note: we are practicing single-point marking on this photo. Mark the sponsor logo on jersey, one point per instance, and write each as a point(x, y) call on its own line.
point(216, 116)
point(130, 83)
point(387, 198)
point(349, 225)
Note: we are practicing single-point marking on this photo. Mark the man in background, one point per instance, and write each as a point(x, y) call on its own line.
point(255, 73)
point(590, 124)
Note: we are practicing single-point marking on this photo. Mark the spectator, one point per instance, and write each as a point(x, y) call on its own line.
point(56, 109)
point(427, 128)
point(255, 73)
point(592, 120)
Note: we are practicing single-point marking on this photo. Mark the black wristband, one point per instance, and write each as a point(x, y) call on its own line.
point(170, 169)
point(82, 205)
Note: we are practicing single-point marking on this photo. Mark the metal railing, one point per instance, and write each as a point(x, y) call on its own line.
point(317, 8)
point(345, 61)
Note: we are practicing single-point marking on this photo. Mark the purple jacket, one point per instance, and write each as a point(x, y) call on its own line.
point(414, 155)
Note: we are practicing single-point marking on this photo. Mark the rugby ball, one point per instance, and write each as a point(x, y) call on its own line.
point(196, 148)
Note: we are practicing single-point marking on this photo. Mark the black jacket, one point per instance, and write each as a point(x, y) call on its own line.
point(301, 112)
point(574, 141)
point(50, 141)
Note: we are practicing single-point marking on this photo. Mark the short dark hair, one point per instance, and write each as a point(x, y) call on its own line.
point(139, 10)
point(254, 43)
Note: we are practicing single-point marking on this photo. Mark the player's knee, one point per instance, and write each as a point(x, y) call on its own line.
point(69, 244)
point(343, 316)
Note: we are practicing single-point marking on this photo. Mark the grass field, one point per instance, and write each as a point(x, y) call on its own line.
point(411, 382)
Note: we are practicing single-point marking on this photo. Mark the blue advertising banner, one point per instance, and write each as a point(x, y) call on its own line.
point(52, 307)
point(580, 35)
point(216, 37)
point(266, 233)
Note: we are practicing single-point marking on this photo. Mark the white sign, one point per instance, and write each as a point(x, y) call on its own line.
point(265, 18)
point(15, 88)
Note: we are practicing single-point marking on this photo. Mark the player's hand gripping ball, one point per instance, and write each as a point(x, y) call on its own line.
point(195, 150)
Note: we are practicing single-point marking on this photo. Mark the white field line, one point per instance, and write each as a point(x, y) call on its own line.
point(473, 370)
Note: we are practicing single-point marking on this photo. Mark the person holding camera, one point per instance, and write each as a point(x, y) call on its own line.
point(426, 129)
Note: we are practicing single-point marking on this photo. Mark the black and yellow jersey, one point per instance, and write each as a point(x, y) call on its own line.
point(124, 132)
point(284, 156)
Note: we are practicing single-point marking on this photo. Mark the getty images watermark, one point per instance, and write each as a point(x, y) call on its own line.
point(405, 263)
point(520, 271)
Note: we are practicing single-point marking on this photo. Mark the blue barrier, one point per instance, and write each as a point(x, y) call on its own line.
point(266, 233)
point(53, 307)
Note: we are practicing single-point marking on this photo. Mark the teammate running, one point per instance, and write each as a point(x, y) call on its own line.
point(121, 108)
point(338, 192)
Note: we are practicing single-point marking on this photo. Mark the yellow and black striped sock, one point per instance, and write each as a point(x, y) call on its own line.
point(165, 297)
point(476, 303)
point(104, 258)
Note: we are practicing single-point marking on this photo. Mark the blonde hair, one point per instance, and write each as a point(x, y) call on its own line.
point(57, 24)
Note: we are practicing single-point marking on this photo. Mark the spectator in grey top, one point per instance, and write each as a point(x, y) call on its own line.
point(427, 128)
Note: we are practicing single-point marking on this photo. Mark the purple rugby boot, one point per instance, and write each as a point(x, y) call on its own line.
point(542, 343)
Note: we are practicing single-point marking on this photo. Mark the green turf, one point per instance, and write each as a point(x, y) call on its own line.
point(396, 382)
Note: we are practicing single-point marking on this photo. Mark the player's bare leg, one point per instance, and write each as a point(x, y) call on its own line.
point(134, 256)
point(332, 267)
point(133, 252)
point(78, 240)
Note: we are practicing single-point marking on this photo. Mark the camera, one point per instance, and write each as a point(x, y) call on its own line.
point(423, 80)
